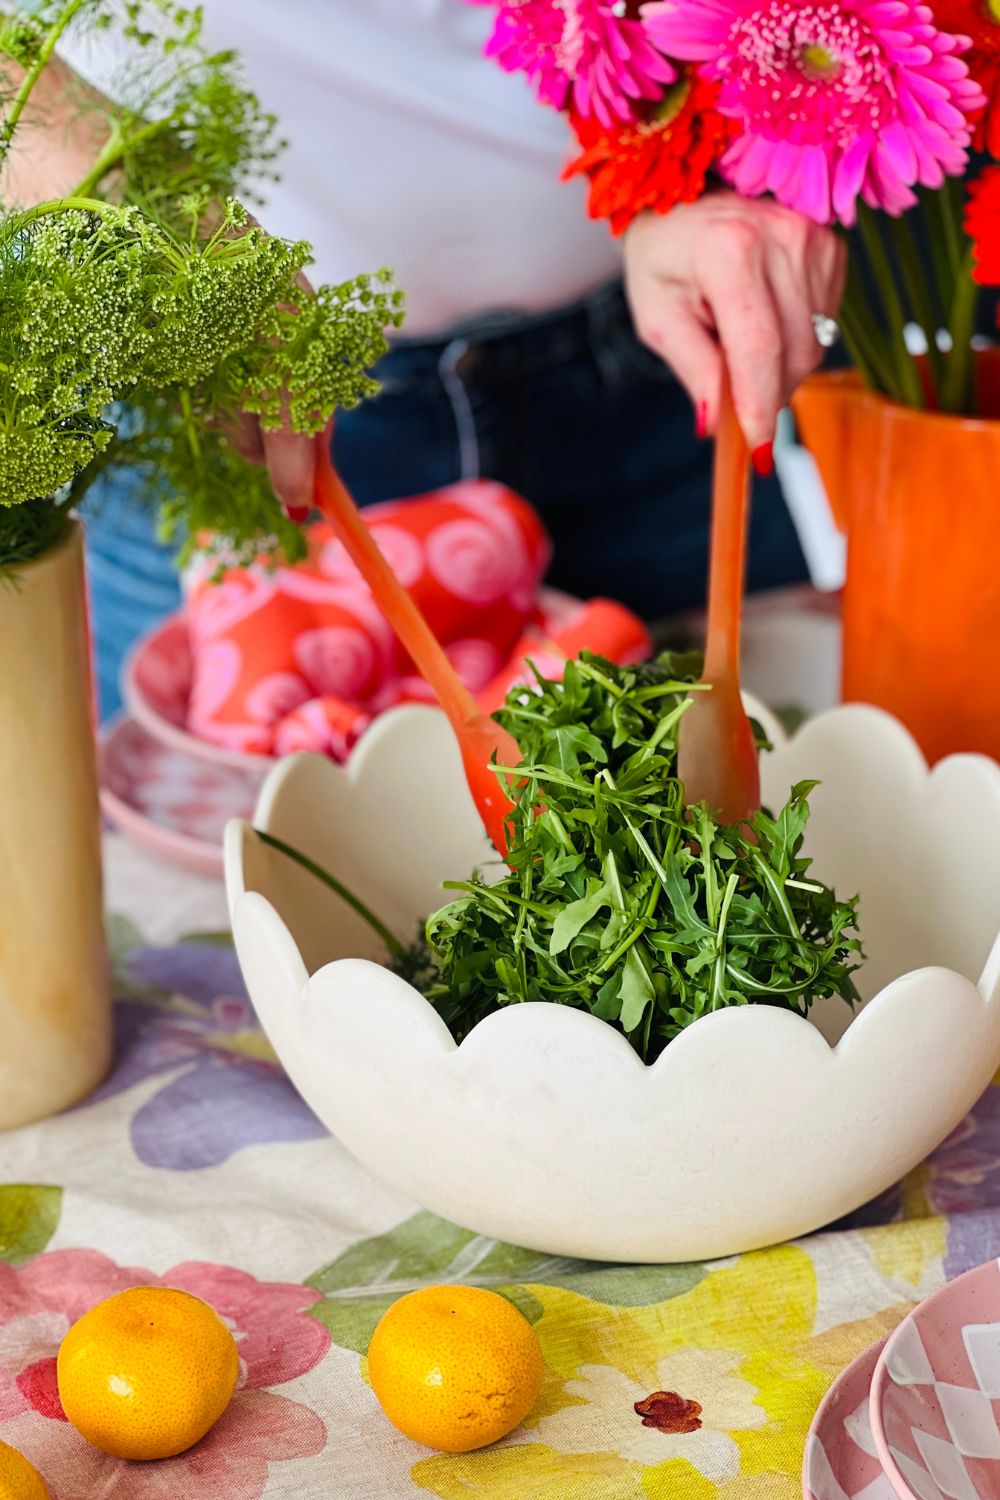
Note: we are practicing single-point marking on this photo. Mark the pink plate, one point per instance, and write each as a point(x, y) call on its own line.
point(840, 1461)
point(172, 804)
point(935, 1398)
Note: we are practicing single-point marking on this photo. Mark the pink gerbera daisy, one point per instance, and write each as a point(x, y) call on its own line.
point(835, 99)
point(586, 52)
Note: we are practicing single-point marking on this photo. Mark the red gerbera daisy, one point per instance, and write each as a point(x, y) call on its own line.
point(654, 161)
point(982, 225)
point(980, 21)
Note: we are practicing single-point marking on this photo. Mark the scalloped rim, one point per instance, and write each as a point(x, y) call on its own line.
point(600, 1033)
point(237, 831)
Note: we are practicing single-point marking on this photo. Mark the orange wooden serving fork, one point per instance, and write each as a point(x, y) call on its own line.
point(716, 750)
point(480, 738)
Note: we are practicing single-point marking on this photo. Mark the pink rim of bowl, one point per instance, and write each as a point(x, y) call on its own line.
point(202, 855)
point(957, 1290)
point(193, 854)
point(171, 636)
point(857, 1372)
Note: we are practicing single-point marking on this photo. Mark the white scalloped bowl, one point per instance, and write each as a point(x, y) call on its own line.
point(544, 1128)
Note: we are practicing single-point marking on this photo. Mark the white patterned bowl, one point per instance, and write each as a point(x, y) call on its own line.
point(544, 1128)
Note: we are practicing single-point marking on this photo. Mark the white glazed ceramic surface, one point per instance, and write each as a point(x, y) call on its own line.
point(544, 1128)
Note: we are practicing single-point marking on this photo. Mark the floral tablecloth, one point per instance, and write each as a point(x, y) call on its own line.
point(196, 1165)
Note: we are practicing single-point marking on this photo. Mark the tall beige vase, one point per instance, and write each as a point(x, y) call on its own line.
point(55, 1007)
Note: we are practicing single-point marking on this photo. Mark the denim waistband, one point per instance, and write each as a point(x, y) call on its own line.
point(501, 345)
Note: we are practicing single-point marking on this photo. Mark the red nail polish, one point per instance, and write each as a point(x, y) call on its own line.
point(762, 459)
point(297, 513)
point(701, 419)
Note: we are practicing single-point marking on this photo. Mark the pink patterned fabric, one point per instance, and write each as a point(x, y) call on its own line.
point(278, 1342)
point(301, 659)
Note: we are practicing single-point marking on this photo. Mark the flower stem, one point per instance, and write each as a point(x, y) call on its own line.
point(354, 902)
point(918, 295)
point(20, 221)
point(34, 72)
point(867, 359)
point(956, 390)
point(113, 153)
point(863, 345)
point(943, 267)
point(907, 381)
point(950, 202)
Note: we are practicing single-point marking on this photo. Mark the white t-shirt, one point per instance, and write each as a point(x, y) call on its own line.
point(408, 148)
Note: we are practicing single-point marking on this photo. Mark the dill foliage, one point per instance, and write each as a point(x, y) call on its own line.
point(149, 292)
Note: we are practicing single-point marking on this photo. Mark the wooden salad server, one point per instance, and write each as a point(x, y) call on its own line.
point(480, 738)
point(716, 750)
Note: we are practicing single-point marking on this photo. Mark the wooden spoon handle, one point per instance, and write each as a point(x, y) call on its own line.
point(389, 594)
point(730, 508)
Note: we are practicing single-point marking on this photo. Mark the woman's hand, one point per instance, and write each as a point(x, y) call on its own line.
point(738, 276)
point(290, 456)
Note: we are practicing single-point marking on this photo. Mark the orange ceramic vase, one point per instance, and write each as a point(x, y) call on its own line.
point(918, 495)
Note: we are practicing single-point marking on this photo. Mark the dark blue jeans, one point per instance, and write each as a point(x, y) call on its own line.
point(570, 411)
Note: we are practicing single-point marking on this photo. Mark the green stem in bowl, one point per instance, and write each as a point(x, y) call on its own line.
point(390, 940)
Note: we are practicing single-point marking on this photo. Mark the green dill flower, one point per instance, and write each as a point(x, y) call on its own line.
point(21, 39)
point(173, 300)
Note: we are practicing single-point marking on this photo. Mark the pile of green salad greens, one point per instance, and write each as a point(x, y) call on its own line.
point(620, 898)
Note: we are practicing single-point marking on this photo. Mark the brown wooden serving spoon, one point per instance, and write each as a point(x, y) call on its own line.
point(716, 749)
point(480, 738)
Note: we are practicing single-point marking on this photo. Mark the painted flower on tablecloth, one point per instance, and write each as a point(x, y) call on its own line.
point(192, 1024)
point(854, 98)
point(277, 1342)
point(615, 1411)
point(963, 1175)
point(706, 1395)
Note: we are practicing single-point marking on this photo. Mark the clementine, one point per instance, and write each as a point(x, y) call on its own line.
point(455, 1367)
point(19, 1480)
point(147, 1372)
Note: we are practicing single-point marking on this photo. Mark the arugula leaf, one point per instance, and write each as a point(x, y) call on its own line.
point(620, 898)
point(636, 990)
point(574, 917)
